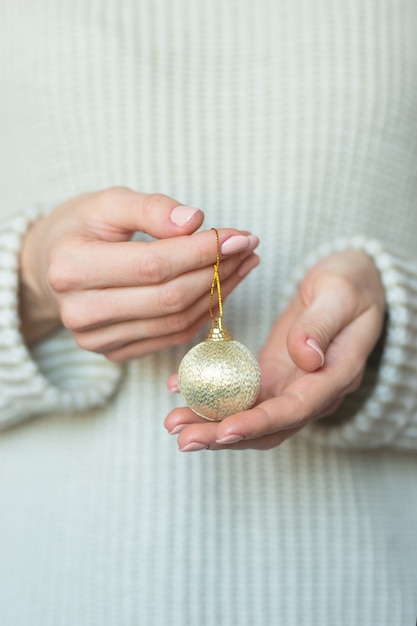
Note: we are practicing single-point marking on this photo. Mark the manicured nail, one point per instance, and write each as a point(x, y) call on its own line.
point(236, 243)
point(230, 439)
point(182, 214)
point(177, 429)
point(194, 446)
point(253, 242)
point(315, 346)
point(247, 265)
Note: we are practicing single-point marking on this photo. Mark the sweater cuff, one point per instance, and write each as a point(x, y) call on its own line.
point(383, 411)
point(55, 375)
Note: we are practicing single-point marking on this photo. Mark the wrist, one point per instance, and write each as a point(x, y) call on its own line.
point(38, 310)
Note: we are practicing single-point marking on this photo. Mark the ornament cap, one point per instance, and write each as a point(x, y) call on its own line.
point(217, 331)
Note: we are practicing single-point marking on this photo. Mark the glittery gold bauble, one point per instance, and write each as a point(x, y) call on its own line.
point(219, 376)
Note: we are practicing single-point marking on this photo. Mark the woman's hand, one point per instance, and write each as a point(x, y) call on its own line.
point(315, 354)
point(119, 297)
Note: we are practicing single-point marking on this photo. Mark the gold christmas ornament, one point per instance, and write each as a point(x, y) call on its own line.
point(219, 376)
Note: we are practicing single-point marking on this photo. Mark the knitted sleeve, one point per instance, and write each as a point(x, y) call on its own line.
point(383, 411)
point(56, 374)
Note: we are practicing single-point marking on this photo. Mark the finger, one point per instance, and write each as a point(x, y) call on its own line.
point(276, 365)
point(288, 412)
point(179, 418)
point(118, 210)
point(349, 388)
point(306, 398)
point(183, 420)
point(261, 443)
point(180, 327)
point(172, 383)
point(141, 348)
point(335, 305)
point(195, 435)
point(100, 264)
point(94, 309)
point(310, 395)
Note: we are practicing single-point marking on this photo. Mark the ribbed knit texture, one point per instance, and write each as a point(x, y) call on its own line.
point(55, 376)
point(297, 120)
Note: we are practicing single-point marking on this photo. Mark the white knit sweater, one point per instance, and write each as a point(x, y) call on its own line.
point(295, 119)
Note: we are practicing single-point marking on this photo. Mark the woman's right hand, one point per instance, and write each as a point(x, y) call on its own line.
point(119, 297)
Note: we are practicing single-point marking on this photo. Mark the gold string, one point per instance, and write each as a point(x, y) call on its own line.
point(216, 280)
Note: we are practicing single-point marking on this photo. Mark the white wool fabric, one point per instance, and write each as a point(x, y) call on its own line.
point(293, 119)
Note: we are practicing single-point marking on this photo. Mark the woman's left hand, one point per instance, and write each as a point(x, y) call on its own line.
point(314, 356)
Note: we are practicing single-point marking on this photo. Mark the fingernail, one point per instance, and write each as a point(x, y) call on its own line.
point(253, 242)
point(182, 214)
point(247, 265)
point(194, 447)
point(177, 429)
point(173, 388)
point(315, 346)
point(230, 439)
point(236, 243)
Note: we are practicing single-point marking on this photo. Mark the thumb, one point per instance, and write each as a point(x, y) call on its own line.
point(121, 211)
point(333, 307)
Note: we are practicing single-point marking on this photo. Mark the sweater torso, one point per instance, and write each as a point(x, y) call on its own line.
point(295, 120)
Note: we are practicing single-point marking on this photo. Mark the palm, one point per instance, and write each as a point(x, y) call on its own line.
point(341, 306)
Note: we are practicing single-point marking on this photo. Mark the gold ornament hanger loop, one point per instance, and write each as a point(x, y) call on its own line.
point(219, 376)
point(216, 280)
point(217, 331)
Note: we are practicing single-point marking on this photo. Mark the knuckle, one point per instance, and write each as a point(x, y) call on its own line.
point(152, 269)
point(298, 406)
point(87, 341)
point(154, 200)
point(171, 299)
point(340, 284)
point(112, 195)
point(71, 316)
point(62, 274)
point(116, 357)
point(76, 317)
point(177, 324)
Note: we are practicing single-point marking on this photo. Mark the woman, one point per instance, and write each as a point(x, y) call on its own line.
point(291, 120)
